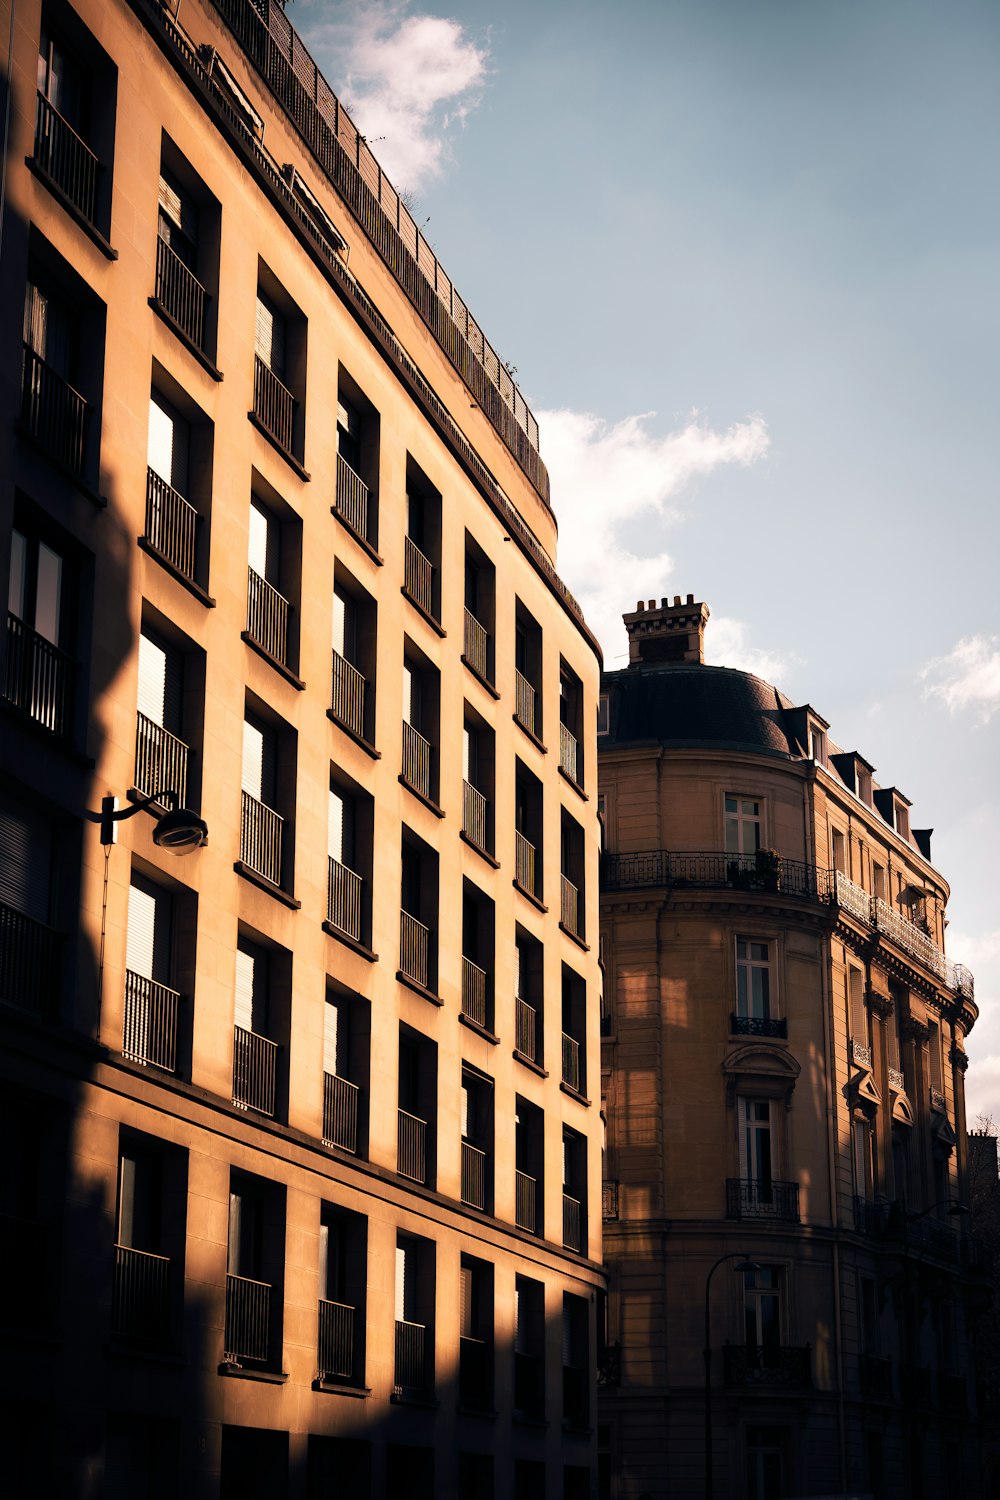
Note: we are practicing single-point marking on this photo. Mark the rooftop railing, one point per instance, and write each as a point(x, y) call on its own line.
point(39, 678)
point(353, 501)
point(67, 159)
point(340, 1112)
point(347, 695)
point(180, 294)
point(336, 1341)
point(267, 616)
point(53, 413)
point(248, 1316)
point(274, 405)
point(172, 525)
point(261, 835)
point(149, 1032)
point(161, 760)
point(255, 1071)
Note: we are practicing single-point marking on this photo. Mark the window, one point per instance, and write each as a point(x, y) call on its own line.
point(414, 1363)
point(343, 1254)
point(36, 852)
point(268, 784)
point(279, 385)
point(274, 573)
point(475, 1475)
point(529, 1170)
point(42, 623)
point(62, 373)
point(762, 1317)
point(167, 681)
point(574, 1032)
point(744, 819)
point(576, 1360)
point(570, 724)
point(261, 1018)
point(603, 714)
point(350, 825)
point(149, 1240)
point(352, 699)
point(758, 1192)
point(901, 818)
point(475, 1371)
point(346, 1066)
point(75, 119)
point(817, 745)
point(529, 993)
point(338, 1463)
point(356, 503)
point(864, 786)
point(478, 757)
point(858, 1018)
point(477, 1140)
point(839, 845)
point(528, 825)
point(187, 253)
point(410, 1471)
point(480, 611)
point(422, 543)
point(862, 1145)
point(765, 1462)
point(880, 886)
point(421, 724)
point(574, 1173)
point(178, 482)
point(152, 1017)
point(255, 1273)
point(527, 671)
point(753, 990)
point(529, 1347)
point(417, 1093)
point(573, 904)
point(418, 918)
point(478, 947)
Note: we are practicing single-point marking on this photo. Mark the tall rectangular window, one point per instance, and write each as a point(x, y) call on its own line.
point(743, 819)
point(41, 632)
point(753, 979)
point(161, 752)
point(152, 1004)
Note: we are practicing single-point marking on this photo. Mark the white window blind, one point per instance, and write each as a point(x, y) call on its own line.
point(259, 762)
point(335, 826)
point(250, 1010)
point(465, 1112)
point(338, 623)
point(466, 1326)
point(24, 863)
point(403, 1279)
point(168, 443)
point(17, 588)
point(178, 206)
point(331, 1021)
point(160, 684)
point(264, 540)
point(147, 945)
point(269, 335)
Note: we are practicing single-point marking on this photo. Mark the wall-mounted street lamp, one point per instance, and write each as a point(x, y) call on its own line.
point(178, 829)
point(745, 1265)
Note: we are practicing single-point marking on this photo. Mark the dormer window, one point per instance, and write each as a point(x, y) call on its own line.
point(864, 785)
point(817, 745)
point(901, 818)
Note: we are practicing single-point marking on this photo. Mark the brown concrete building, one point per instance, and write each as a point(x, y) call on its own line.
point(783, 1057)
point(301, 1170)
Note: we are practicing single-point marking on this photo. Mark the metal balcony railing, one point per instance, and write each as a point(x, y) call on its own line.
point(172, 525)
point(937, 1099)
point(525, 1029)
point(571, 1062)
point(274, 405)
point(569, 906)
point(475, 1373)
point(67, 159)
point(416, 760)
point(529, 1387)
point(473, 1175)
point(569, 753)
point(410, 1376)
point(261, 835)
point(748, 1198)
point(343, 899)
point(861, 1053)
point(525, 1202)
point(340, 1112)
point(418, 576)
point(474, 819)
point(347, 695)
point(149, 1032)
point(248, 1317)
point(336, 1341)
point(161, 760)
point(476, 645)
point(267, 617)
point(140, 1299)
point(714, 870)
point(411, 1147)
point(52, 412)
point(525, 864)
point(180, 294)
point(475, 988)
point(353, 501)
point(775, 1365)
point(525, 703)
point(572, 1220)
point(896, 1080)
point(875, 1376)
point(758, 1025)
point(414, 950)
point(609, 1200)
point(39, 678)
point(255, 1071)
point(29, 962)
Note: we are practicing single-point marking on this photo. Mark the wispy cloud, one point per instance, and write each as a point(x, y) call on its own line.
point(406, 76)
point(968, 677)
point(615, 488)
point(727, 645)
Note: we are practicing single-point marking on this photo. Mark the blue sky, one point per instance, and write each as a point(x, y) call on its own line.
point(743, 254)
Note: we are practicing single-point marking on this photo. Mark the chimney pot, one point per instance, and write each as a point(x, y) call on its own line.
point(670, 633)
point(652, 603)
point(690, 598)
point(677, 600)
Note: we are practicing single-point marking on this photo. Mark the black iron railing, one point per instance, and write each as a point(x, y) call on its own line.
point(758, 1025)
point(336, 1341)
point(411, 1374)
point(53, 412)
point(274, 405)
point(474, 816)
point(475, 991)
point(569, 753)
point(180, 293)
point(30, 955)
point(411, 1146)
point(343, 899)
point(248, 1317)
point(475, 1373)
point(525, 1202)
point(569, 906)
point(39, 678)
point(715, 870)
point(418, 576)
point(777, 1365)
point(576, 1405)
point(525, 703)
point(149, 1032)
point(750, 1198)
point(525, 1029)
point(525, 864)
point(268, 615)
point(161, 760)
point(67, 159)
point(255, 1071)
point(529, 1385)
point(353, 501)
point(172, 525)
point(347, 695)
point(261, 834)
point(476, 645)
point(473, 1175)
point(416, 760)
point(340, 1112)
point(140, 1300)
point(572, 1221)
point(571, 1062)
point(414, 950)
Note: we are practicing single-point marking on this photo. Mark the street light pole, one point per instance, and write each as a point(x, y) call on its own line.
point(746, 1264)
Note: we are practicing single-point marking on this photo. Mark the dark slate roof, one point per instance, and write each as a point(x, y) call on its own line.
point(691, 705)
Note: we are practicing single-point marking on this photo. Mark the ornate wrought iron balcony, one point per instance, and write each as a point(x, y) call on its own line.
point(775, 1365)
point(758, 1025)
point(747, 1198)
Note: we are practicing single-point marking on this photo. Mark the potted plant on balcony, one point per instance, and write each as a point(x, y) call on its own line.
point(768, 867)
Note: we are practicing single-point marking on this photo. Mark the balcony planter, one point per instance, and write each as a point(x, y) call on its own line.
point(768, 866)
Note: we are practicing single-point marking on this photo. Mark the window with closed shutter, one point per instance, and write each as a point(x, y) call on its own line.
point(331, 1029)
point(25, 841)
point(147, 945)
point(168, 443)
point(404, 1284)
point(251, 988)
point(160, 687)
point(264, 549)
point(260, 757)
point(269, 335)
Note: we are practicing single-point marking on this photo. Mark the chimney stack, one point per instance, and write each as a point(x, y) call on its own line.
point(667, 632)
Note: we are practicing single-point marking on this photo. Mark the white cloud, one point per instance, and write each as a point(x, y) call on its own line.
point(614, 488)
point(726, 645)
point(407, 77)
point(968, 677)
